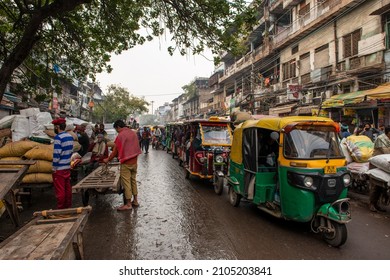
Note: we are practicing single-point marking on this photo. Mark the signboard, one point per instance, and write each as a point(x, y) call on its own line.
point(322, 113)
point(294, 92)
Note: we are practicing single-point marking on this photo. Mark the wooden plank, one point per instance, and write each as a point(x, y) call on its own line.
point(13, 180)
point(17, 162)
point(45, 241)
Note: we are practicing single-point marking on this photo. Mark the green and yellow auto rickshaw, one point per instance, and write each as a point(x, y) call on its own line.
point(293, 168)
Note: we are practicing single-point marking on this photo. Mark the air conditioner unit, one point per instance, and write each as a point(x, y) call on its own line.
point(326, 95)
point(276, 87)
point(281, 99)
point(307, 99)
point(320, 74)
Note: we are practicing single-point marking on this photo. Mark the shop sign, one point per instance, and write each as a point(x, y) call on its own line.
point(294, 92)
point(318, 113)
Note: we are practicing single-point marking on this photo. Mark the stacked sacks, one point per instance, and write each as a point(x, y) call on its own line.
point(382, 170)
point(41, 171)
point(359, 147)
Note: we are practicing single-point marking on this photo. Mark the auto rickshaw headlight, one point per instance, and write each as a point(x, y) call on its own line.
point(202, 159)
point(347, 179)
point(308, 181)
point(219, 159)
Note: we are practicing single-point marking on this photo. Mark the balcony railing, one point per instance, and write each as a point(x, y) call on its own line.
point(315, 12)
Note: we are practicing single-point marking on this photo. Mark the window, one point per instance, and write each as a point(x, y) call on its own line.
point(304, 10)
point(294, 49)
point(289, 69)
point(321, 56)
point(386, 18)
point(351, 42)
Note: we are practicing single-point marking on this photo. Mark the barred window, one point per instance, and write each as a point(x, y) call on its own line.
point(351, 43)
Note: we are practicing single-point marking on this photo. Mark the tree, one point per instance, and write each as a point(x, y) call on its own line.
point(118, 104)
point(76, 37)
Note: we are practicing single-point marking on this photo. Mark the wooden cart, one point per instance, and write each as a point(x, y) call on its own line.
point(10, 179)
point(104, 179)
point(52, 235)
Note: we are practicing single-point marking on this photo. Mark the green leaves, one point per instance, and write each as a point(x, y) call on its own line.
point(118, 104)
point(81, 35)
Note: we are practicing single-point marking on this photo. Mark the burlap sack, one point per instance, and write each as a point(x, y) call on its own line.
point(41, 166)
point(50, 132)
point(17, 149)
point(42, 152)
point(9, 165)
point(36, 178)
point(6, 132)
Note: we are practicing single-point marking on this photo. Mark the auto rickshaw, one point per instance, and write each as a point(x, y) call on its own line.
point(207, 151)
point(293, 168)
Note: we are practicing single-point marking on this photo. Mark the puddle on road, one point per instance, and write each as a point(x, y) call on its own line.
point(172, 221)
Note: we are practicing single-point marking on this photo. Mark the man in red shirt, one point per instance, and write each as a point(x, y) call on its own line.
point(127, 150)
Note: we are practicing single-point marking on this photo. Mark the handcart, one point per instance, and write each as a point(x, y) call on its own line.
point(10, 179)
point(103, 180)
point(51, 235)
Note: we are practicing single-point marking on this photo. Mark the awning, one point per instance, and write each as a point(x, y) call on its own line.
point(381, 92)
point(12, 97)
point(340, 100)
point(282, 109)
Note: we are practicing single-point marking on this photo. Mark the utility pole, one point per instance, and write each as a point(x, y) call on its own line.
point(152, 106)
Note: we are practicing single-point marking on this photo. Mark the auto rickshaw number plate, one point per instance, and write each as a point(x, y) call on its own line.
point(330, 169)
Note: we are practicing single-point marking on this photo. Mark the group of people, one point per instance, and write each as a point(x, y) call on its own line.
point(126, 149)
point(363, 129)
point(146, 136)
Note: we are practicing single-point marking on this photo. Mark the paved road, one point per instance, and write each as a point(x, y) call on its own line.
point(181, 219)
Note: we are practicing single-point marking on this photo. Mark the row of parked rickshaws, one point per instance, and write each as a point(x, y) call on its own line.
point(290, 167)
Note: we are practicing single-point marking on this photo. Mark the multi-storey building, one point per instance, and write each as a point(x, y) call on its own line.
point(304, 52)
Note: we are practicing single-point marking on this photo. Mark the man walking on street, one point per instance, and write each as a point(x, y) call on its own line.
point(63, 148)
point(127, 150)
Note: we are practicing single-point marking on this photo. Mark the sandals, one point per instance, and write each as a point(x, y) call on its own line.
point(135, 204)
point(124, 208)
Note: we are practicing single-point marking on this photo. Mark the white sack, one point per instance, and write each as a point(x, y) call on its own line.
point(381, 161)
point(379, 174)
point(20, 128)
point(30, 112)
point(6, 122)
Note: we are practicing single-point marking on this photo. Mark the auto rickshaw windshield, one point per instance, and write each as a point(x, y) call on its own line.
point(308, 142)
point(216, 135)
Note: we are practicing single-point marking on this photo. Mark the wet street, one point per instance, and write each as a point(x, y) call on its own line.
point(185, 219)
point(180, 219)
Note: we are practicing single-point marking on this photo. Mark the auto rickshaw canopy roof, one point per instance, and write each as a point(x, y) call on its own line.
point(275, 124)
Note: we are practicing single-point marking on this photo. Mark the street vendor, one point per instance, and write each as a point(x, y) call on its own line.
point(63, 148)
point(127, 150)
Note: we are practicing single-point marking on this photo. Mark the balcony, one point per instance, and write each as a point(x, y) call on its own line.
point(319, 15)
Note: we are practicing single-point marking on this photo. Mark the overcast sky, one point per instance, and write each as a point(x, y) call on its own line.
point(148, 70)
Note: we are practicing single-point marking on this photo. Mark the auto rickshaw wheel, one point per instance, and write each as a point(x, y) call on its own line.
point(218, 184)
point(234, 198)
point(338, 236)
